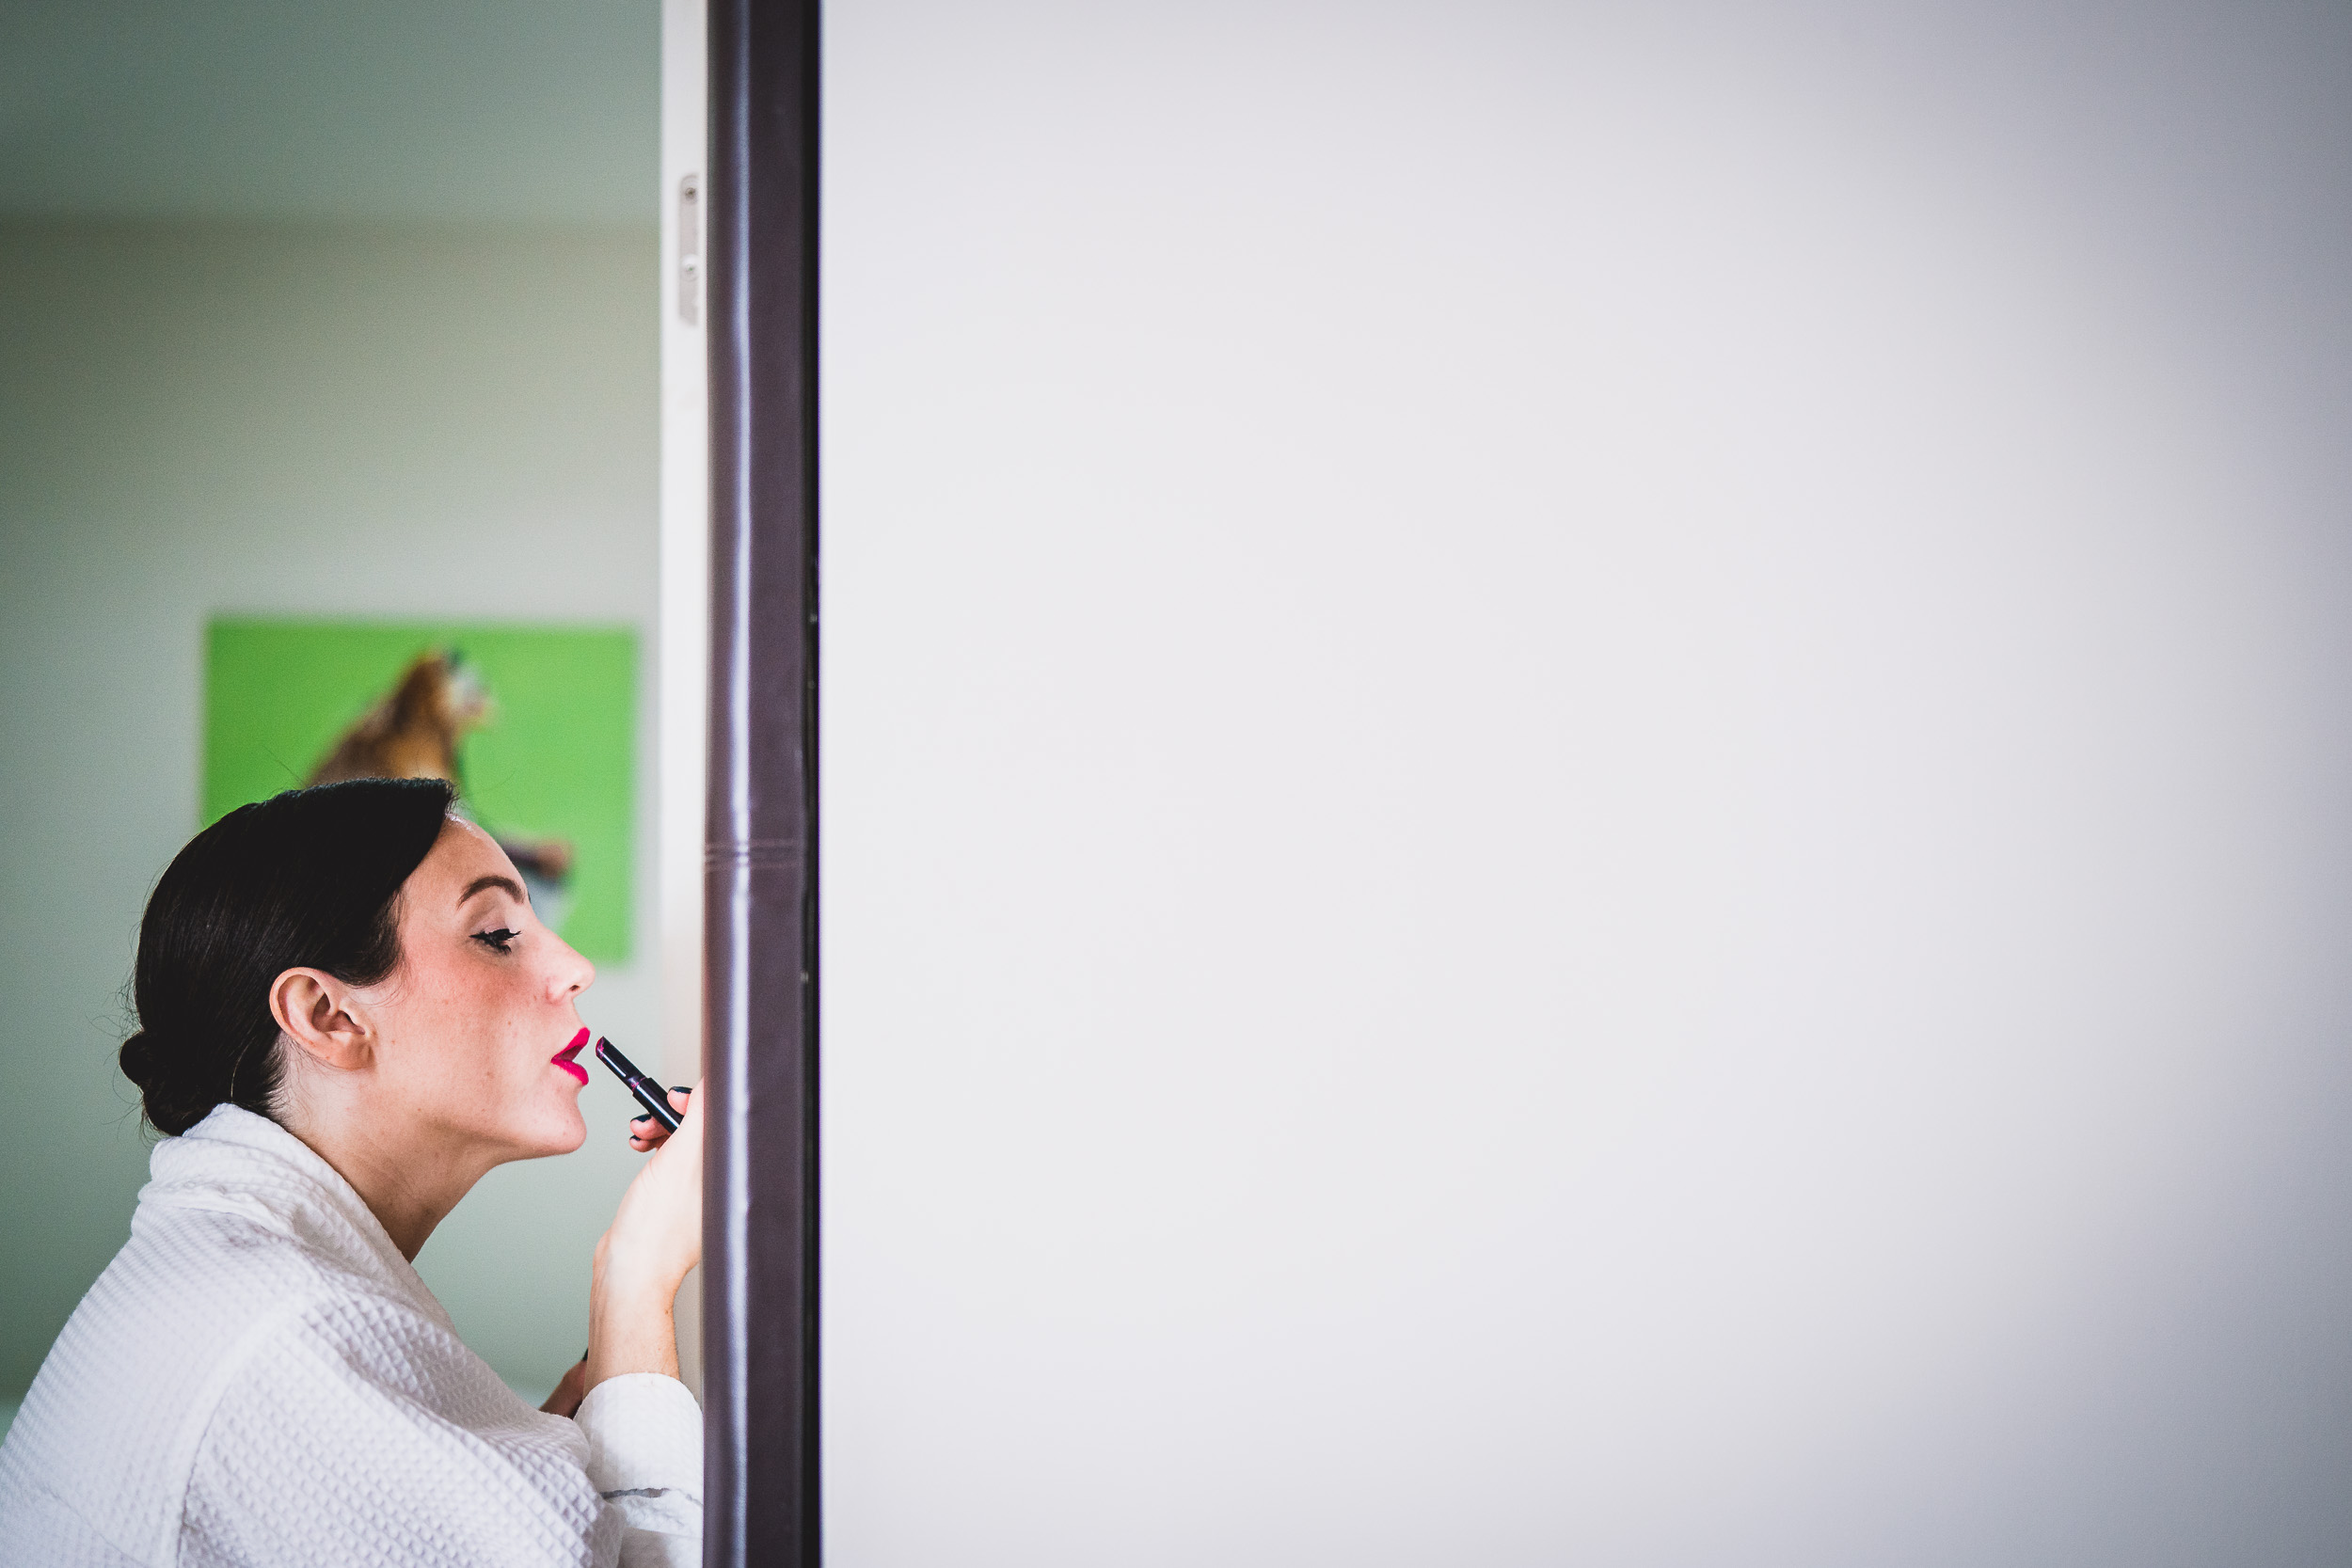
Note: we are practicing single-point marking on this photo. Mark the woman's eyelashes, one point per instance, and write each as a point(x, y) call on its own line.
point(499, 940)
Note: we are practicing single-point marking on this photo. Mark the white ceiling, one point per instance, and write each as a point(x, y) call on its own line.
point(531, 110)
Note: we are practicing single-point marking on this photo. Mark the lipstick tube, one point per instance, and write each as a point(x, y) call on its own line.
point(649, 1094)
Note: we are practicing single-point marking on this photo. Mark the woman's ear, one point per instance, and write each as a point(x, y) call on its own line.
point(321, 1017)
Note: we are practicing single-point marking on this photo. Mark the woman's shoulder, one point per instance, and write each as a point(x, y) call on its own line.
point(112, 1421)
point(222, 1282)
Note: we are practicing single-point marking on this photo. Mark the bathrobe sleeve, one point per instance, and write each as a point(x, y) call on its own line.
point(645, 1437)
point(359, 1423)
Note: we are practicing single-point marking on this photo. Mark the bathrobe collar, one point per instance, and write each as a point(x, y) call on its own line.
point(235, 1162)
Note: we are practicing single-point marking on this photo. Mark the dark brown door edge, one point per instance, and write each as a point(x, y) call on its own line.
point(759, 1247)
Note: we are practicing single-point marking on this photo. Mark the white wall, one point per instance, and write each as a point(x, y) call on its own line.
point(200, 418)
point(501, 111)
point(1584, 784)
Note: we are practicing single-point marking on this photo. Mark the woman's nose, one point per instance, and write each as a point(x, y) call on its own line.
point(572, 972)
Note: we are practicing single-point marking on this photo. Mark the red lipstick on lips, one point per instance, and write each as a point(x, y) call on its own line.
point(564, 1057)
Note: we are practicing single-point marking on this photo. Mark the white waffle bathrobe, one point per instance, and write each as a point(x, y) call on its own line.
point(259, 1378)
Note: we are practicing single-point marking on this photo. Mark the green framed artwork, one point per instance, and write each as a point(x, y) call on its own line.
point(536, 725)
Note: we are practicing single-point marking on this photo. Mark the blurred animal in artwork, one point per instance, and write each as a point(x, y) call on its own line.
point(414, 731)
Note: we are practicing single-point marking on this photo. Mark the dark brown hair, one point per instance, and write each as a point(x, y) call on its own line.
point(307, 880)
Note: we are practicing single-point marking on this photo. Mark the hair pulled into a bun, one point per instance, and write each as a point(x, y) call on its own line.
point(170, 1107)
point(307, 880)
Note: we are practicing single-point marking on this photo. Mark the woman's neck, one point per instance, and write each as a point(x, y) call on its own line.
point(408, 1177)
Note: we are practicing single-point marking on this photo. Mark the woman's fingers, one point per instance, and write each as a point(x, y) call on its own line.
point(644, 1134)
point(569, 1392)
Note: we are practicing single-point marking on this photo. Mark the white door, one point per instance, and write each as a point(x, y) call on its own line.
point(1583, 788)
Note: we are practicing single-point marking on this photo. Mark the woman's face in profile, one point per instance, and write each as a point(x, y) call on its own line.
point(484, 999)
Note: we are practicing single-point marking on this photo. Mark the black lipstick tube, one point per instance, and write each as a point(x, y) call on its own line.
point(649, 1094)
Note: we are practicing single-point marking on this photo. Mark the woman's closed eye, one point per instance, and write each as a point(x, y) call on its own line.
point(499, 940)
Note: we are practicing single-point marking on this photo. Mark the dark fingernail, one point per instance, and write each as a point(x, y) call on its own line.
point(680, 1088)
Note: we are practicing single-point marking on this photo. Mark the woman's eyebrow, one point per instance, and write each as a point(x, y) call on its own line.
point(514, 889)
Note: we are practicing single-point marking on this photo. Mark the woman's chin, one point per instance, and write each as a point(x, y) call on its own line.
point(573, 1131)
point(558, 1131)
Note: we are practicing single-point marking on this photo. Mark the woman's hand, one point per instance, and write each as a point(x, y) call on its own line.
point(569, 1391)
point(657, 1232)
point(655, 1238)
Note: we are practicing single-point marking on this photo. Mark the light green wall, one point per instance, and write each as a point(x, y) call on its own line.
point(395, 421)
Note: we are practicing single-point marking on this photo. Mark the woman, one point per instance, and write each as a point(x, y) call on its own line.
point(348, 1014)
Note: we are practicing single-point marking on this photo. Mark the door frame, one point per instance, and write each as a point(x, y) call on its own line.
point(758, 200)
